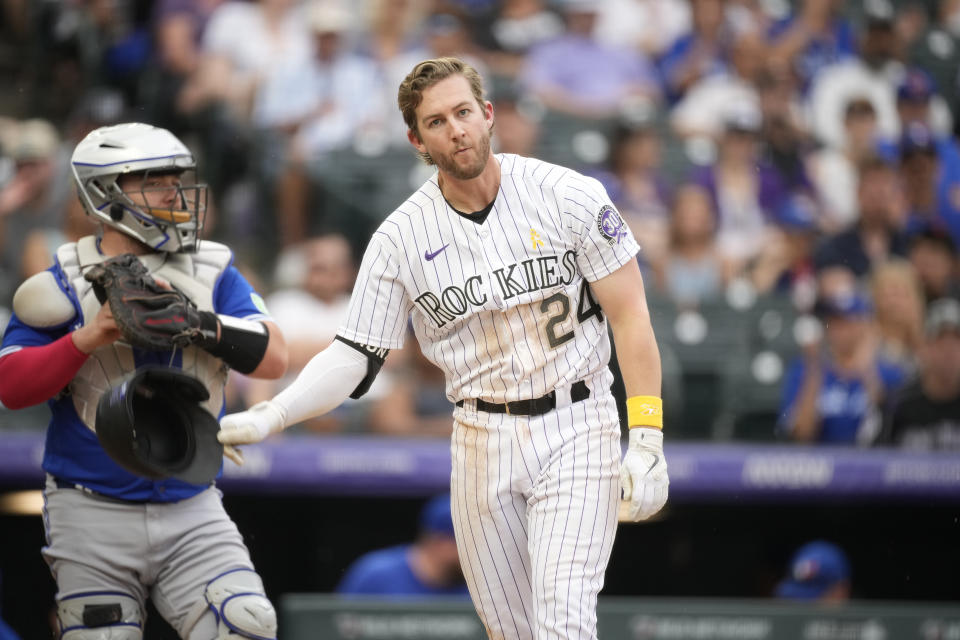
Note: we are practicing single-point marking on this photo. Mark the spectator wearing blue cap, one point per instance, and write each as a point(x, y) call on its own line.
point(919, 102)
point(832, 394)
point(931, 179)
point(819, 571)
point(430, 566)
point(925, 120)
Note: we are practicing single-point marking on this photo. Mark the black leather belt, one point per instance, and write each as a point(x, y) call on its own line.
point(534, 407)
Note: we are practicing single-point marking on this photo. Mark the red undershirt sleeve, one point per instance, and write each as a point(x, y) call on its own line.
point(35, 374)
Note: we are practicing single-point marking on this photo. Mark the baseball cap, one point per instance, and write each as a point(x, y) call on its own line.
point(814, 569)
point(435, 516)
point(34, 139)
point(846, 305)
point(915, 86)
point(942, 315)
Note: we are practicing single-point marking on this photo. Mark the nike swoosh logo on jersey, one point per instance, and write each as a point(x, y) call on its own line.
point(430, 256)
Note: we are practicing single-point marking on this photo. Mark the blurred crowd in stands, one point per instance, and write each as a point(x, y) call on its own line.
point(791, 169)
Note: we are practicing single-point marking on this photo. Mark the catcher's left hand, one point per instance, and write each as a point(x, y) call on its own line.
point(643, 474)
point(148, 315)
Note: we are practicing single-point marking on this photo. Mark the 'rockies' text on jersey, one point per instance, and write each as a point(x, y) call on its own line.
point(501, 306)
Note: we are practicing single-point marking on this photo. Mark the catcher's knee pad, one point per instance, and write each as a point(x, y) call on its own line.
point(99, 615)
point(242, 609)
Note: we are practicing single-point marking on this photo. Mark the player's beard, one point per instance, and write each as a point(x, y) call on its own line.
point(449, 165)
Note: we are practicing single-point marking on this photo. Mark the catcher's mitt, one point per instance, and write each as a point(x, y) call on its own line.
point(148, 315)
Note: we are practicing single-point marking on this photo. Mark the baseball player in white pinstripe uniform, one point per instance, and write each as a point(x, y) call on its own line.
point(510, 268)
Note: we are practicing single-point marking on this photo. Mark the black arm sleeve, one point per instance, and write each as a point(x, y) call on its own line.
point(375, 357)
point(242, 343)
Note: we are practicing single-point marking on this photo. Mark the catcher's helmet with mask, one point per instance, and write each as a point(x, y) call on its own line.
point(107, 153)
point(153, 426)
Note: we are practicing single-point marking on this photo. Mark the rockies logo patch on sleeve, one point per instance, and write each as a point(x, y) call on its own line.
point(611, 225)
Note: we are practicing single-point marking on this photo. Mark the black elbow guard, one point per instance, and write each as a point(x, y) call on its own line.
point(242, 343)
point(375, 357)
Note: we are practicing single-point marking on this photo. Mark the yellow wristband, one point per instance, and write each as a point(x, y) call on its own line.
point(645, 411)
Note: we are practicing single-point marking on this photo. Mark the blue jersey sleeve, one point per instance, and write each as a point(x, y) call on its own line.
point(18, 334)
point(234, 296)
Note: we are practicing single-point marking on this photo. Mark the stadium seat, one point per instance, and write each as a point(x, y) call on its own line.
point(751, 386)
point(703, 342)
point(574, 142)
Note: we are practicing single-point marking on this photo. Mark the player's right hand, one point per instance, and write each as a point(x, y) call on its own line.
point(250, 426)
point(100, 331)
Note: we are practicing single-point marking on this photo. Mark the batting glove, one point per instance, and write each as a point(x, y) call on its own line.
point(643, 474)
point(249, 427)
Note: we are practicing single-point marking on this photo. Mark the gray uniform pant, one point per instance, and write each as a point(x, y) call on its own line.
point(165, 551)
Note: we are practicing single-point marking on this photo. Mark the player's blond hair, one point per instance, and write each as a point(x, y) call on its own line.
point(426, 74)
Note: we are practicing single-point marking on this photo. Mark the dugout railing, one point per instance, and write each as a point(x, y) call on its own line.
point(305, 616)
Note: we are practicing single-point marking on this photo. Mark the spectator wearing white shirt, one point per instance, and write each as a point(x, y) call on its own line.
point(648, 26)
point(313, 107)
point(243, 43)
point(320, 100)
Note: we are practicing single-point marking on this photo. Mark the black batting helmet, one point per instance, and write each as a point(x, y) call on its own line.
point(152, 425)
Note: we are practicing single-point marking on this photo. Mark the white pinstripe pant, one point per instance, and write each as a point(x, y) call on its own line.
point(535, 514)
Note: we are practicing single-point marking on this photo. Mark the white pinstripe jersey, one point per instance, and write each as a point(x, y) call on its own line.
point(500, 306)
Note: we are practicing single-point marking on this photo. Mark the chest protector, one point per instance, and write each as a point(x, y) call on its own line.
point(194, 274)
